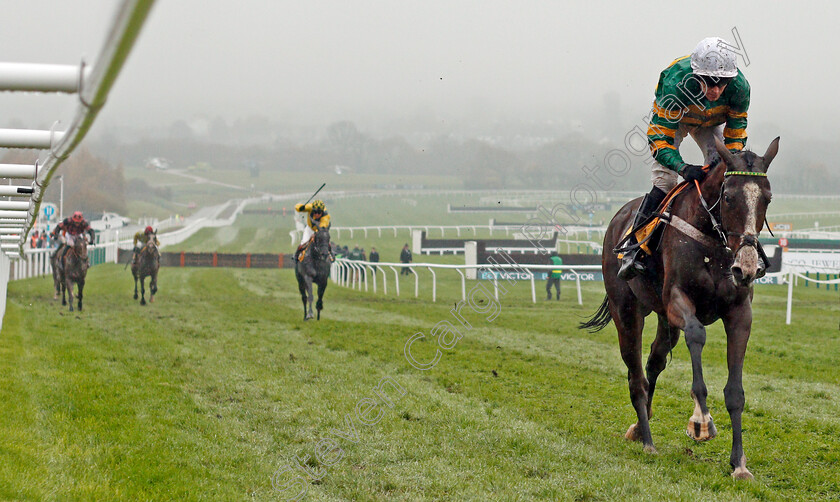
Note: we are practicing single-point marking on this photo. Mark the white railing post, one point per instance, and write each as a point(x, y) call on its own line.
point(373, 277)
point(396, 279)
point(789, 296)
point(463, 285)
point(363, 276)
point(384, 280)
point(533, 289)
point(434, 284)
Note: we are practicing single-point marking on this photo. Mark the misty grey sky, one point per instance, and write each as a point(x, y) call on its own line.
point(314, 62)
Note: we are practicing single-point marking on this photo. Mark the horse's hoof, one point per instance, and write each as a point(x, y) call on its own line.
point(701, 431)
point(742, 473)
point(135, 297)
point(650, 449)
point(152, 299)
point(142, 302)
point(633, 433)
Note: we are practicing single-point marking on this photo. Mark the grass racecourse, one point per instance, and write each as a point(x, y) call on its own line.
point(210, 391)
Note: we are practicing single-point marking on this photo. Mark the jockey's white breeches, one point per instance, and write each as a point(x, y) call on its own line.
point(307, 234)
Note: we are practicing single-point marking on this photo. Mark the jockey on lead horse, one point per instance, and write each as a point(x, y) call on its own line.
point(317, 217)
point(706, 96)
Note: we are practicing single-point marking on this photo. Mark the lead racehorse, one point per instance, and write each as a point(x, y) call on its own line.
point(314, 267)
point(709, 256)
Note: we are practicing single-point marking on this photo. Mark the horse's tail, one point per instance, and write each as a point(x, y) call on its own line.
point(599, 319)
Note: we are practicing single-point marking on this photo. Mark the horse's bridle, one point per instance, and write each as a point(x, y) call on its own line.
point(743, 239)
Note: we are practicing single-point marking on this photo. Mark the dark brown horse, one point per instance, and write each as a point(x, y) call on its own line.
point(703, 272)
point(72, 269)
point(315, 267)
point(146, 265)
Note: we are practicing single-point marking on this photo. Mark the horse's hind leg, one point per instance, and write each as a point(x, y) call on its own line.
point(630, 321)
point(302, 289)
point(666, 339)
point(700, 427)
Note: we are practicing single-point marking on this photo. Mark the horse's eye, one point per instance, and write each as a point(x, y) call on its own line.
point(727, 199)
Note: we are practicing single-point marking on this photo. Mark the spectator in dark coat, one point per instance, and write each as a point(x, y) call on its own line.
point(405, 257)
point(374, 255)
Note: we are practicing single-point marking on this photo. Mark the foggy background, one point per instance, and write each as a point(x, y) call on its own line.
point(502, 94)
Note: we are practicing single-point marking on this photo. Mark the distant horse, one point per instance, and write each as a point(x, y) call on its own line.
point(703, 272)
point(72, 269)
point(315, 267)
point(146, 265)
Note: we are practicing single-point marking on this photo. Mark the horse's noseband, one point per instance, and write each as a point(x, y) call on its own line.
point(749, 240)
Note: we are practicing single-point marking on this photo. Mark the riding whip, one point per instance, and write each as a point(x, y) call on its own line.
point(314, 194)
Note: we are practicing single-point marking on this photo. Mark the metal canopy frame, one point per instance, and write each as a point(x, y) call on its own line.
point(92, 84)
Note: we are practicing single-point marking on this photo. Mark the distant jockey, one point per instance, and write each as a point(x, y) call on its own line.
point(317, 218)
point(703, 95)
point(143, 237)
point(69, 230)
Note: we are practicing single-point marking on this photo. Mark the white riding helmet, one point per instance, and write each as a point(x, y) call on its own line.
point(713, 57)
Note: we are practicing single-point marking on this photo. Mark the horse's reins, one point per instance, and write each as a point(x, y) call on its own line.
point(743, 239)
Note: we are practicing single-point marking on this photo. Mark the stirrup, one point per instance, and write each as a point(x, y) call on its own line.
point(630, 266)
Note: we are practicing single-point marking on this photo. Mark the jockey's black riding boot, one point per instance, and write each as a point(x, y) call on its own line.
point(630, 264)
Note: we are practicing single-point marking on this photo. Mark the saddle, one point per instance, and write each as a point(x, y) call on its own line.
point(304, 248)
point(649, 233)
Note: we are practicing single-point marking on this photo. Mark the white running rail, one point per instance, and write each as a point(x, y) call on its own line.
point(353, 274)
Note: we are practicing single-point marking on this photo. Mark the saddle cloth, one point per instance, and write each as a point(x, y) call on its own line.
point(650, 227)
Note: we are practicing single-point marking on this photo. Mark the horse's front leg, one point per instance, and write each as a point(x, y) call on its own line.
point(681, 313)
point(68, 286)
point(153, 287)
point(310, 297)
point(738, 323)
point(319, 305)
point(81, 293)
point(142, 291)
point(135, 287)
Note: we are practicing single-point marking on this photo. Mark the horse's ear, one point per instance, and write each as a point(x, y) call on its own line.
point(771, 152)
point(724, 153)
point(711, 185)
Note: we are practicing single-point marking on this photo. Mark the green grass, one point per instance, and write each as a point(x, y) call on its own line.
point(205, 393)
